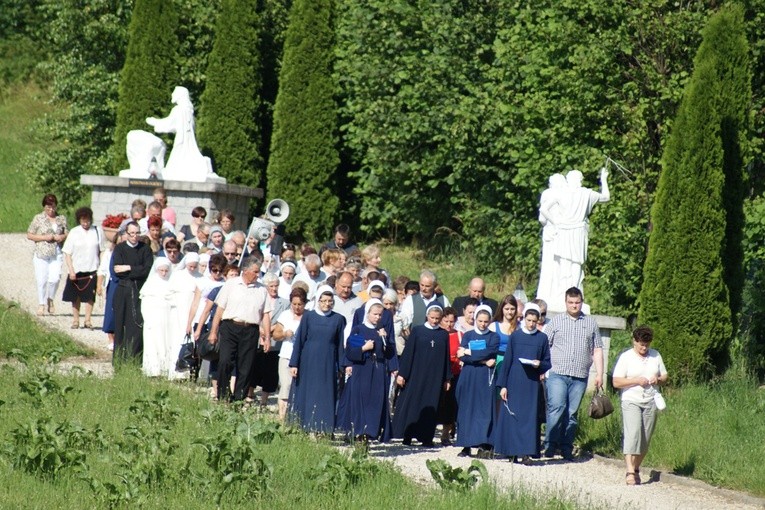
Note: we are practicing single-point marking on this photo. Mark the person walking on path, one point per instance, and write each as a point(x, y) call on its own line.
point(575, 344)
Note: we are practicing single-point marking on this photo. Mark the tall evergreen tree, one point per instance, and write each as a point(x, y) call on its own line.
point(228, 120)
point(304, 155)
point(692, 274)
point(150, 72)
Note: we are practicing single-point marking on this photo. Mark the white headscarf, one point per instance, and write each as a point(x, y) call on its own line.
point(481, 308)
point(155, 285)
point(323, 289)
point(190, 258)
point(529, 306)
point(432, 306)
point(368, 306)
point(376, 283)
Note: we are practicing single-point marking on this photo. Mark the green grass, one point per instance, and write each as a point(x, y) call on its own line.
point(19, 330)
point(19, 107)
point(454, 273)
point(294, 458)
point(713, 432)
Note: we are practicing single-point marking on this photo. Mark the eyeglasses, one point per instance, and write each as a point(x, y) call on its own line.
point(132, 233)
point(203, 216)
point(215, 270)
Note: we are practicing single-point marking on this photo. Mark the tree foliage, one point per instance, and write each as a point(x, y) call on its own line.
point(87, 44)
point(150, 72)
point(304, 156)
point(455, 113)
point(229, 127)
point(690, 283)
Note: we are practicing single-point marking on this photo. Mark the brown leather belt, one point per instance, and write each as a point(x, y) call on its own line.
point(241, 323)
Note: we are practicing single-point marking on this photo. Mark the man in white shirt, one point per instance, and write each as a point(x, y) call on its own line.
point(243, 309)
point(346, 302)
point(154, 209)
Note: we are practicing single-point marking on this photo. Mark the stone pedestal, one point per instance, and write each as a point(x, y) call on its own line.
point(607, 324)
point(112, 195)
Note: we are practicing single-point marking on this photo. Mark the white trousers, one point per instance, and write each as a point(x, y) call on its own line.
point(47, 275)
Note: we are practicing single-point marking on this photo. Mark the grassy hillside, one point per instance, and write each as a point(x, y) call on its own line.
point(20, 106)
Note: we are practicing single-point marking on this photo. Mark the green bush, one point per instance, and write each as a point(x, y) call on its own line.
point(304, 157)
point(150, 72)
point(229, 129)
point(690, 283)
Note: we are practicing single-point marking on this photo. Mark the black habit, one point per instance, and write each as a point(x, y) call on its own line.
point(425, 367)
point(128, 321)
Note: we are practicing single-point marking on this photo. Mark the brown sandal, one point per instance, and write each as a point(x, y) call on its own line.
point(637, 477)
point(632, 479)
point(87, 325)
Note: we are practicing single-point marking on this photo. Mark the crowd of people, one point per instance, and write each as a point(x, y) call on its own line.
point(346, 346)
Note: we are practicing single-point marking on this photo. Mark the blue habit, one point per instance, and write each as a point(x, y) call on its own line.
point(425, 367)
point(476, 392)
point(317, 354)
point(365, 396)
point(519, 435)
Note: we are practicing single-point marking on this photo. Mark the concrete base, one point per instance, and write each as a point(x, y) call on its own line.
point(113, 195)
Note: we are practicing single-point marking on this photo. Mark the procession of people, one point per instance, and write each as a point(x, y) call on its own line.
point(347, 348)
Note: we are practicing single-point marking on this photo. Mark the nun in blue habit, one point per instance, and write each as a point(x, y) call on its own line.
point(527, 359)
point(370, 359)
point(317, 355)
point(475, 390)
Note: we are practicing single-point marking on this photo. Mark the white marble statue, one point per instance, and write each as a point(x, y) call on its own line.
point(564, 211)
point(185, 163)
point(142, 148)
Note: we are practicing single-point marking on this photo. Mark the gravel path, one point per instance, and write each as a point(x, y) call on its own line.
point(593, 483)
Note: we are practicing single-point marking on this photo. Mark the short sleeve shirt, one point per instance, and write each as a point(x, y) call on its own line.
point(631, 364)
point(572, 343)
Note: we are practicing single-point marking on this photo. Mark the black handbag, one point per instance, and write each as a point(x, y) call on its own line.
point(206, 350)
point(600, 405)
point(186, 356)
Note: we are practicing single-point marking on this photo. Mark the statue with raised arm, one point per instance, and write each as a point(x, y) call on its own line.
point(185, 163)
point(564, 212)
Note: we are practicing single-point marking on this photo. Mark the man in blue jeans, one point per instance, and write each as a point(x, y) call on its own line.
point(575, 344)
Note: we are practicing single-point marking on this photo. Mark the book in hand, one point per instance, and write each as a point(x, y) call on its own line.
point(526, 361)
point(477, 345)
point(356, 341)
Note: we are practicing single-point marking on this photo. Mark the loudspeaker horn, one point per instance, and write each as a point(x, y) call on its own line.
point(277, 210)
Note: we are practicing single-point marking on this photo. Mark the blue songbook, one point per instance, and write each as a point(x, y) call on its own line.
point(477, 345)
point(356, 341)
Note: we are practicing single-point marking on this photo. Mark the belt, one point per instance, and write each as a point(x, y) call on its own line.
point(241, 323)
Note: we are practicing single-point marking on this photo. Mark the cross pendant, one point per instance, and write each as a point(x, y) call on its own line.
point(432, 343)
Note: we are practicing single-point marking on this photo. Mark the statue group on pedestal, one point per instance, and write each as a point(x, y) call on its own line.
point(564, 210)
point(146, 152)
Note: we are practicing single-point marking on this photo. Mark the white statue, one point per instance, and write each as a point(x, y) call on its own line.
point(146, 155)
point(564, 211)
point(186, 163)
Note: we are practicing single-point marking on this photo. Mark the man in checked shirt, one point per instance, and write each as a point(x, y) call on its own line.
point(575, 344)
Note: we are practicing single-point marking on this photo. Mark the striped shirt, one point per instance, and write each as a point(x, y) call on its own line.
point(572, 343)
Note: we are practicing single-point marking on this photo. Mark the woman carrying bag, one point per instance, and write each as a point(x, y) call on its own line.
point(638, 373)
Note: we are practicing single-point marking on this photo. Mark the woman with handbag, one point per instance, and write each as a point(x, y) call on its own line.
point(638, 373)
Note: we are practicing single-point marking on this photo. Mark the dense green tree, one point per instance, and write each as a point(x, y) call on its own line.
point(150, 72)
point(304, 155)
point(87, 42)
point(229, 129)
point(689, 286)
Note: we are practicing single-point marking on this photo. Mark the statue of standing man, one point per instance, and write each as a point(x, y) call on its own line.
point(564, 211)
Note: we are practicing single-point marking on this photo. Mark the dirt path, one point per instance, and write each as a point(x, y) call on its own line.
point(593, 483)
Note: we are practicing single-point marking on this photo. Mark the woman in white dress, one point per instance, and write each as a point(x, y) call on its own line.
point(155, 308)
point(284, 332)
point(183, 284)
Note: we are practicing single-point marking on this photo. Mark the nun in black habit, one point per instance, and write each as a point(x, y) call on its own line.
point(424, 371)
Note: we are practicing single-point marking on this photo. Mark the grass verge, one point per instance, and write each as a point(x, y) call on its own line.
point(19, 330)
point(130, 442)
point(19, 108)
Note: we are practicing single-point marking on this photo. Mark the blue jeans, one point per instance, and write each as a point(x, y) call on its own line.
point(564, 394)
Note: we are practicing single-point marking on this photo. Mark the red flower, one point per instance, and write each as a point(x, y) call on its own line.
point(114, 220)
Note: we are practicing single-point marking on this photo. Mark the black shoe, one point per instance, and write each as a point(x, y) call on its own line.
point(407, 441)
point(465, 452)
point(484, 453)
point(428, 444)
point(445, 441)
point(569, 457)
